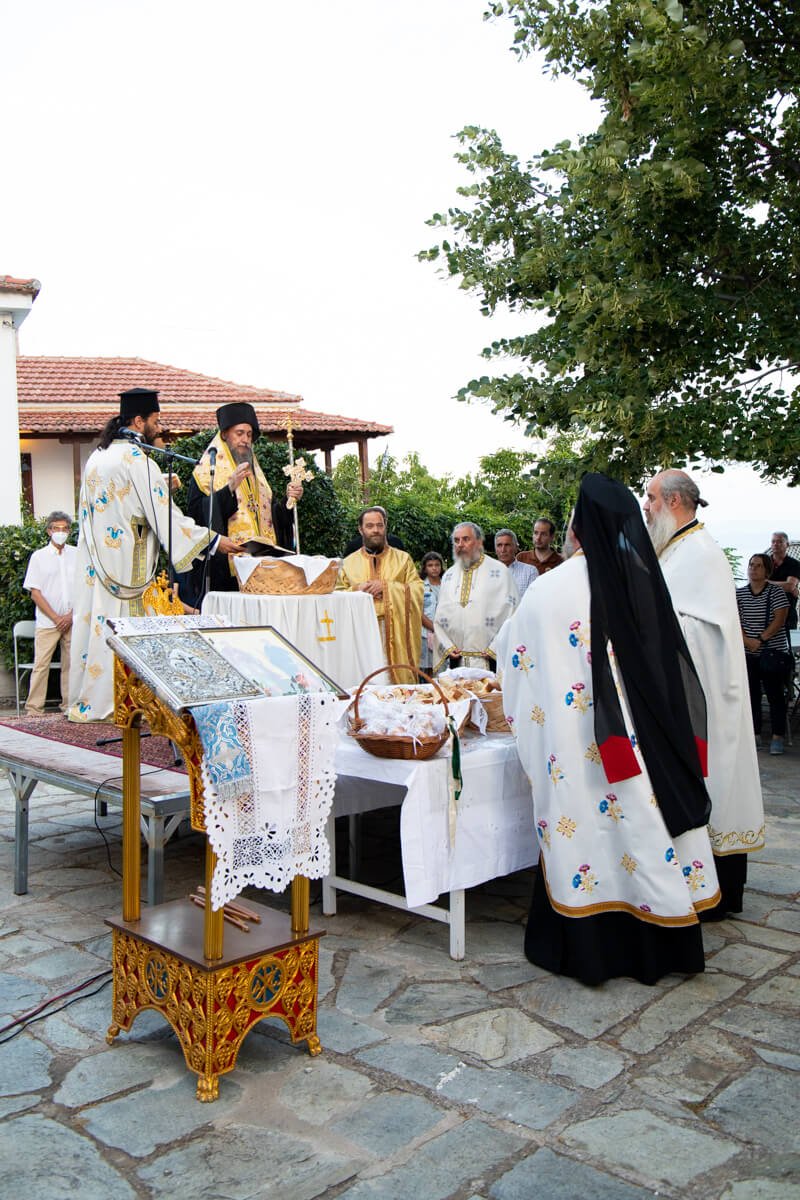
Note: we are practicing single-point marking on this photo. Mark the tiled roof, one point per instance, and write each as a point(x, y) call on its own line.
point(79, 395)
point(9, 284)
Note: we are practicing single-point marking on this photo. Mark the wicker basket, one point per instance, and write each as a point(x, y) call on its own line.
point(385, 745)
point(284, 579)
point(495, 714)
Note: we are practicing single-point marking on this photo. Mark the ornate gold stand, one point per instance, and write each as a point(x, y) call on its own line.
point(172, 958)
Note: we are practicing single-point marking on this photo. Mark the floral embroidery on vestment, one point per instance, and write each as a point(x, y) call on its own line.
point(584, 879)
point(578, 699)
point(521, 660)
point(611, 807)
point(554, 770)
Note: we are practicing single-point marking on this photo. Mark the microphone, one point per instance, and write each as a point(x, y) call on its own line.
point(212, 456)
point(130, 435)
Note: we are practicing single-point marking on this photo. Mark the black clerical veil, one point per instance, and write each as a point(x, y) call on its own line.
point(631, 609)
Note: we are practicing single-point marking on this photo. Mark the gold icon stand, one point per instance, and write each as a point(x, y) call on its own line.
point(172, 958)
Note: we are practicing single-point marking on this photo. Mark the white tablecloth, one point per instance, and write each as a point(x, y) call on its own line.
point(338, 631)
point(495, 829)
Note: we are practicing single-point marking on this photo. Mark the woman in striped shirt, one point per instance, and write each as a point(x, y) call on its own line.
point(763, 608)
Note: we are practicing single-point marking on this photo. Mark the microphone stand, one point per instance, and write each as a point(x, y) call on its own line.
point(170, 456)
point(212, 467)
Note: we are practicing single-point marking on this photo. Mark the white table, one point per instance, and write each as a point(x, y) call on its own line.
point(338, 631)
point(494, 824)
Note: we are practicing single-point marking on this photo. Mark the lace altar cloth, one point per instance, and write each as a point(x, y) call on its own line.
point(269, 776)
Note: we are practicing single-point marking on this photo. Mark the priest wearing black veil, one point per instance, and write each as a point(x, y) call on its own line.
point(609, 717)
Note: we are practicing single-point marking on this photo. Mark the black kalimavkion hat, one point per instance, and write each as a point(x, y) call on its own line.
point(238, 414)
point(138, 402)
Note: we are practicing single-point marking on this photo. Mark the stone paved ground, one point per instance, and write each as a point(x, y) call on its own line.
point(439, 1081)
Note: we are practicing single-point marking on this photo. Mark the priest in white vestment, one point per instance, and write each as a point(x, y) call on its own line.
point(703, 592)
point(477, 595)
point(608, 714)
point(123, 517)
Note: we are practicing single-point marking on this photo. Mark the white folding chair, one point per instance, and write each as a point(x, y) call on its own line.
point(26, 631)
point(23, 631)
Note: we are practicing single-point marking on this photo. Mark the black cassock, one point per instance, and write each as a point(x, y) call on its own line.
point(220, 578)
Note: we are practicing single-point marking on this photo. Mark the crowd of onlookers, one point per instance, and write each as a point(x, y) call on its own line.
point(767, 608)
point(768, 611)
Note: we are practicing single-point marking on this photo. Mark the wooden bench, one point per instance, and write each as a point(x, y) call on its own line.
point(30, 759)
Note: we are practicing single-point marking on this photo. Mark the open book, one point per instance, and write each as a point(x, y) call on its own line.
point(259, 547)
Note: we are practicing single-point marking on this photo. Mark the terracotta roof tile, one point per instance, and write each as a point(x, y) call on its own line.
point(8, 283)
point(78, 395)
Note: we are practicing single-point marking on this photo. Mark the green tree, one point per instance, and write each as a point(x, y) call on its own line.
point(658, 258)
point(510, 488)
point(17, 544)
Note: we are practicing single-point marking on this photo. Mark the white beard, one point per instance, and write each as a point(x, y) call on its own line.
point(661, 527)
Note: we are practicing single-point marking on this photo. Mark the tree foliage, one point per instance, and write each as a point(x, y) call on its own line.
point(658, 258)
point(511, 489)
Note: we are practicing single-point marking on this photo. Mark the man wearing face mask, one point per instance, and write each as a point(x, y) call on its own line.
point(49, 579)
point(243, 506)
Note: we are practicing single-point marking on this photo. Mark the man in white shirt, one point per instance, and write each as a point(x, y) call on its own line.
point(506, 547)
point(49, 579)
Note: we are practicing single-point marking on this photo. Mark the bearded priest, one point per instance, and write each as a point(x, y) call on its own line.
point(390, 577)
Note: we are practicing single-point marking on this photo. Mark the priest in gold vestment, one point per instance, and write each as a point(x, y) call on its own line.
point(390, 577)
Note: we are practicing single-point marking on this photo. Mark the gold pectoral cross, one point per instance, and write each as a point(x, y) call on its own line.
point(327, 622)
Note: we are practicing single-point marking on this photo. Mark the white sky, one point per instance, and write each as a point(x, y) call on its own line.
point(241, 189)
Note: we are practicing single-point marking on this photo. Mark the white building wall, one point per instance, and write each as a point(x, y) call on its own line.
point(10, 475)
point(51, 476)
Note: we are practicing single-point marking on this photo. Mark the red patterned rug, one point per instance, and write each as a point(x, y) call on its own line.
point(156, 751)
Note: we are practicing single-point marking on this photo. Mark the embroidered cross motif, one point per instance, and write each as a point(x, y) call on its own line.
point(566, 826)
point(327, 621)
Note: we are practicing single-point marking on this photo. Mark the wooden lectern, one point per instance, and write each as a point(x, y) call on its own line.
point(171, 958)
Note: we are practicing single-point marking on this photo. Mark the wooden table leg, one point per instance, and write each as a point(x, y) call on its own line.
point(212, 929)
point(300, 905)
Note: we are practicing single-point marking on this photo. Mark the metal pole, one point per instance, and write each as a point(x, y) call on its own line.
point(131, 820)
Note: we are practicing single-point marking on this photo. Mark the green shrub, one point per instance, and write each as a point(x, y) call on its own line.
point(17, 544)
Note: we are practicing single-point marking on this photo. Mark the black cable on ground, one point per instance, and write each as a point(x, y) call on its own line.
point(37, 1014)
point(97, 790)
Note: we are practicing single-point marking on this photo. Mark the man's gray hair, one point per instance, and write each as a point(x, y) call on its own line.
point(779, 533)
point(476, 529)
point(507, 533)
point(678, 483)
point(56, 516)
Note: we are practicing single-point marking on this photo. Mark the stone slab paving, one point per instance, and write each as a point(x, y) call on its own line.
point(482, 1080)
